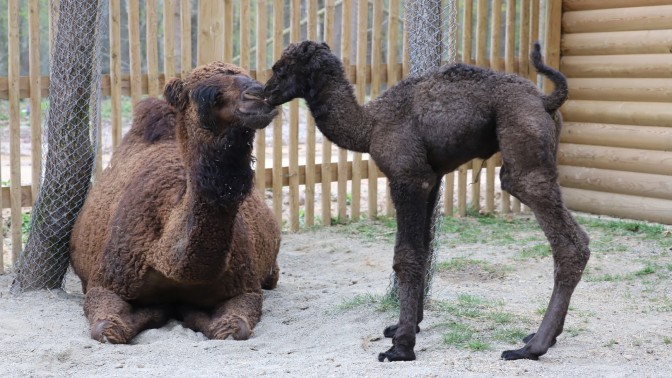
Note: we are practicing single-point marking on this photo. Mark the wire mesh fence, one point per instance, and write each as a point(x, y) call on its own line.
point(71, 142)
point(432, 39)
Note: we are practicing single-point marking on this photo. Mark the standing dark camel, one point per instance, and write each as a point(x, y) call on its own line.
point(429, 125)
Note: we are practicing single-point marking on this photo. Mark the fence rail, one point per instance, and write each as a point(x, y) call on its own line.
point(150, 40)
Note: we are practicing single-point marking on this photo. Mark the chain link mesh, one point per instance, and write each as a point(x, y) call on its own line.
point(432, 40)
point(71, 143)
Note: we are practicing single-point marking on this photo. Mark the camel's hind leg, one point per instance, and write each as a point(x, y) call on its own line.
point(529, 172)
point(114, 320)
point(236, 317)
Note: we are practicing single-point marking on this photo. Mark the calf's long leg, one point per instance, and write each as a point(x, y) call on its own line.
point(530, 174)
point(114, 320)
point(410, 199)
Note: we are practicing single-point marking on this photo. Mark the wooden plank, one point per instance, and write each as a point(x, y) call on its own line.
point(615, 66)
point(392, 68)
point(27, 198)
point(467, 29)
point(573, 5)
point(618, 19)
point(260, 142)
point(115, 72)
point(604, 180)
point(618, 43)
point(294, 36)
point(360, 91)
point(228, 30)
point(481, 49)
point(284, 179)
point(615, 158)
point(553, 37)
point(169, 38)
point(152, 43)
point(309, 208)
point(329, 23)
point(621, 89)
point(185, 37)
point(376, 61)
point(346, 12)
point(524, 40)
point(211, 35)
point(13, 71)
point(619, 112)
point(510, 67)
point(495, 64)
point(449, 194)
point(35, 94)
point(245, 33)
point(134, 50)
point(278, 27)
point(626, 136)
point(618, 205)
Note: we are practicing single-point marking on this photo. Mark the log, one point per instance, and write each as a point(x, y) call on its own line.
point(615, 158)
point(618, 19)
point(621, 89)
point(574, 5)
point(610, 135)
point(619, 205)
point(621, 42)
point(619, 112)
point(604, 180)
point(612, 66)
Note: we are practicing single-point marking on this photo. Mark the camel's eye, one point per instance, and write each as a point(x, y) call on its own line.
point(280, 73)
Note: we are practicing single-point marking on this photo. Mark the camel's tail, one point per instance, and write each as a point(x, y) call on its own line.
point(559, 95)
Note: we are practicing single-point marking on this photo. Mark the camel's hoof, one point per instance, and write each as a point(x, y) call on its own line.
point(391, 330)
point(397, 353)
point(234, 326)
point(529, 337)
point(107, 331)
point(519, 354)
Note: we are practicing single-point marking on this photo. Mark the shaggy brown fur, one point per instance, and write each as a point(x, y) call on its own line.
point(174, 227)
point(429, 125)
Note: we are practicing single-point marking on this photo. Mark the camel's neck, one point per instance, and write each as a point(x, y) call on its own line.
point(337, 114)
point(219, 178)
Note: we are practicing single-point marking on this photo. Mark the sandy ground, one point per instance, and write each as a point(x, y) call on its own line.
point(305, 332)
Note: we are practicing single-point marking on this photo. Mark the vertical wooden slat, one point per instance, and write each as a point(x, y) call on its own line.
point(294, 35)
point(245, 35)
point(509, 66)
point(13, 75)
point(134, 53)
point(278, 26)
point(168, 39)
point(152, 43)
point(360, 89)
point(552, 39)
point(260, 142)
point(467, 26)
point(35, 97)
point(392, 69)
point(346, 7)
point(326, 144)
point(524, 44)
point(309, 214)
point(449, 194)
point(495, 64)
point(481, 48)
point(406, 56)
point(228, 30)
point(534, 32)
point(185, 38)
point(115, 72)
point(376, 69)
point(211, 37)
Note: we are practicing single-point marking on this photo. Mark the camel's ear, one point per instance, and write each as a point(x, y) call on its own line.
point(173, 92)
point(324, 44)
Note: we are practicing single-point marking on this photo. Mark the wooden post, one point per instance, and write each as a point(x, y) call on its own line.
point(278, 26)
point(35, 99)
point(294, 36)
point(152, 43)
point(326, 144)
point(360, 90)
point(185, 38)
point(392, 74)
point(13, 76)
point(260, 142)
point(228, 30)
point(245, 35)
point(309, 214)
point(134, 53)
point(346, 7)
point(168, 39)
point(211, 37)
point(115, 72)
point(376, 69)
point(495, 60)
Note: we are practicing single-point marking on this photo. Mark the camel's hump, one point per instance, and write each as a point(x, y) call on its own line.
point(154, 119)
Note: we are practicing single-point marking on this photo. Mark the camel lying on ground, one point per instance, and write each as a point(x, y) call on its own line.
point(175, 228)
point(429, 125)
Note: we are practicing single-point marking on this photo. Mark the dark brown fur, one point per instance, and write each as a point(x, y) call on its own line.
point(174, 227)
point(429, 125)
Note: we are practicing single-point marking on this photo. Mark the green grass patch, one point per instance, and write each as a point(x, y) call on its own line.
point(381, 303)
point(538, 251)
point(509, 335)
point(461, 264)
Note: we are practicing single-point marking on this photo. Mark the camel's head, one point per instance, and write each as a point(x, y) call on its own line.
point(218, 96)
point(300, 71)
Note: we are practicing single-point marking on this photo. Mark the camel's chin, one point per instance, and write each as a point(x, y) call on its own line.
point(259, 120)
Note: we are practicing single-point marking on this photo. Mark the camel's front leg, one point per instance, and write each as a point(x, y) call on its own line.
point(235, 317)
point(410, 260)
point(114, 320)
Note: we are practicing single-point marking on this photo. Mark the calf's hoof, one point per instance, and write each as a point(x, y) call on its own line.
point(397, 353)
point(391, 330)
point(520, 354)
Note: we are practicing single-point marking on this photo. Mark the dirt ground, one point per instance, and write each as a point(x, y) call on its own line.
point(325, 318)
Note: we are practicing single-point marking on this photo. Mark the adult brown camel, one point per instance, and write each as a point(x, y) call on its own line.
point(428, 125)
point(174, 228)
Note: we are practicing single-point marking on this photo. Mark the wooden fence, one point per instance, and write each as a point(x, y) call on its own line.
point(309, 180)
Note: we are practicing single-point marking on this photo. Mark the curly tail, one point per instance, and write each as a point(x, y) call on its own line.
point(559, 95)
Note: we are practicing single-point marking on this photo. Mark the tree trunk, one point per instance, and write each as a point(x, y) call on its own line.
point(70, 156)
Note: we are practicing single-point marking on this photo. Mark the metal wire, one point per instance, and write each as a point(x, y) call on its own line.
point(71, 134)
